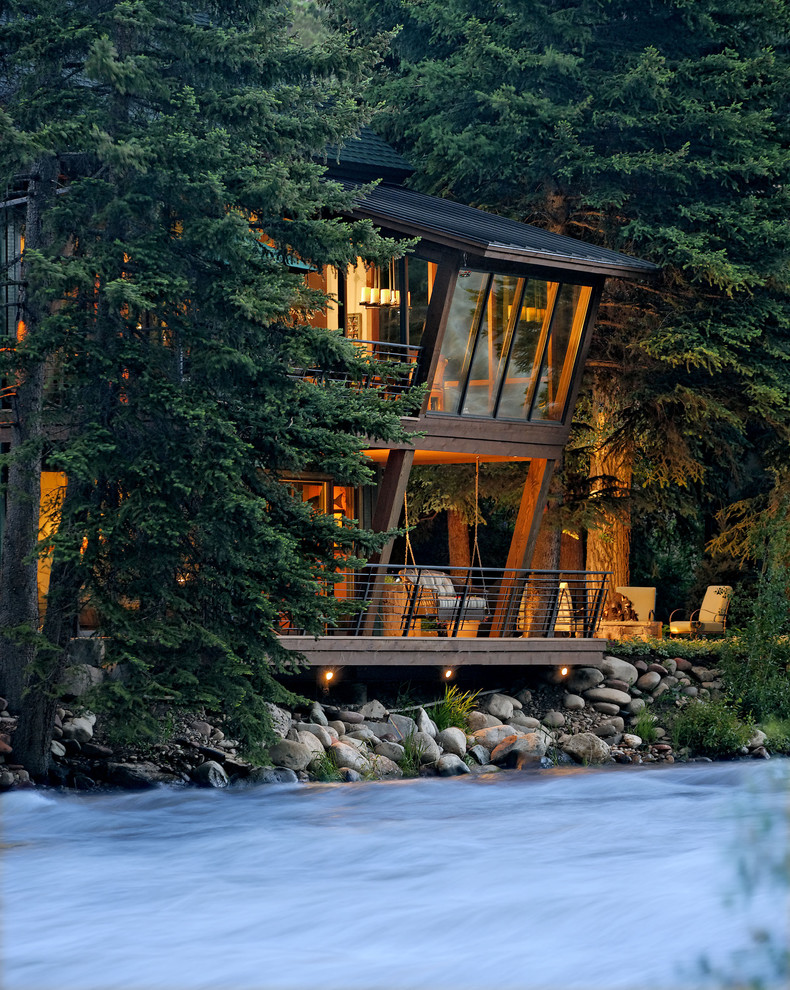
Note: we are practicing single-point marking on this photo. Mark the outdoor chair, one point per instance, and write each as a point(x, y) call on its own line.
point(643, 601)
point(434, 596)
point(710, 617)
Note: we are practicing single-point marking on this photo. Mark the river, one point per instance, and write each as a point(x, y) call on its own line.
point(628, 879)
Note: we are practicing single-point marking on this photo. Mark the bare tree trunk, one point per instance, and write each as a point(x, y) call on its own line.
point(458, 540)
point(19, 618)
point(611, 470)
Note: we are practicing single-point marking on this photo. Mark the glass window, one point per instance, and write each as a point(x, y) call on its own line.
point(459, 337)
point(492, 346)
point(556, 371)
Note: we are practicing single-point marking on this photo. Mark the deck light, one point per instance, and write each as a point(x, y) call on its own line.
point(328, 675)
point(564, 671)
point(449, 673)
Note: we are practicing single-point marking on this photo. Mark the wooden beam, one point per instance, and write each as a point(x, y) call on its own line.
point(436, 321)
point(522, 545)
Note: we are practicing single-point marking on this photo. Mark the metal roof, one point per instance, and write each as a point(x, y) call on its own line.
point(490, 236)
point(367, 156)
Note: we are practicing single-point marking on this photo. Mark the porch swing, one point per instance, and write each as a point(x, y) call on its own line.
point(432, 595)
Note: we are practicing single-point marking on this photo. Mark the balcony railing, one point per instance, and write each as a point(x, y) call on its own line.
point(381, 365)
point(476, 602)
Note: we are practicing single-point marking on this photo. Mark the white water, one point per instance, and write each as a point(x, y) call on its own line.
point(658, 879)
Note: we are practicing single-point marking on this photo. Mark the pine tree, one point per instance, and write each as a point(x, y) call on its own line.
point(660, 129)
point(170, 160)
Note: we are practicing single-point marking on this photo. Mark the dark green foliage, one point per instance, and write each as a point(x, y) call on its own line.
point(182, 140)
point(710, 728)
point(454, 708)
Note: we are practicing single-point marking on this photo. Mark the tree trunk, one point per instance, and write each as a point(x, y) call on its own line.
point(19, 618)
point(458, 540)
point(611, 470)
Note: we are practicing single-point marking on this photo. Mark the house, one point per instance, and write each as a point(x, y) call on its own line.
point(495, 318)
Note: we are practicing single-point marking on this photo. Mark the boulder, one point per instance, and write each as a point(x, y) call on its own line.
point(682, 664)
point(606, 708)
point(385, 768)
point(291, 755)
point(348, 757)
point(281, 720)
point(481, 720)
point(636, 705)
point(392, 751)
point(648, 681)
point(80, 678)
point(670, 665)
point(210, 774)
point(584, 678)
point(451, 765)
point(524, 696)
point(350, 718)
point(758, 739)
point(57, 748)
point(318, 716)
point(452, 740)
point(520, 751)
point(621, 669)
point(271, 775)
point(427, 747)
point(337, 725)
point(312, 742)
point(690, 691)
point(604, 731)
point(614, 682)
point(657, 668)
point(573, 702)
point(493, 736)
point(349, 776)
point(139, 776)
point(586, 747)
point(425, 723)
point(554, 720)
point(480, 754)
point(374, 710)
point(320, 732)
point(631, 740)
point(524, 722)
point(401, 725)
point(363, 734)
point(609, 695)
point(79, 728)
point(500, 706)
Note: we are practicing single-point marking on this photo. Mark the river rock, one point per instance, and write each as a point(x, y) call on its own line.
point(321, 732)
point(481, 720)
point(520, 751)
point(79, 728)
point(451, 765)
point(452, 740)
point(584, 678)
point(621, 669)
point(210, 774)
point(318, 716)
point(610, 695)
point(631, 741)
point(57, 748)
point(3, 704)
point(660, 690)
point(358, 744)
point(393, 751)
point(499, 706)
point(373, 709)
point(524, 696)
point(281, 720)
point(682, 664)
point(80, 678)
point(648, 681)
point(573, 702)
point(586, 747)
point(385, 768)
point(493, 736)
point(690, 691)
point(349, 775)
point(312, 742)
point(426, 746)
point(526, 722)
point(95, 751)
point(347, 756)
point(636, 705)
point(670, 665)
point(554, 720)
point(402, 726)
point(293, 755)
point(480, 754)
point(363, 734)
point(616, 683)
point(139, 776)
point(606, 708)
point(758, 739)
point(425, 723)
point(271, 775)
point(605, 730)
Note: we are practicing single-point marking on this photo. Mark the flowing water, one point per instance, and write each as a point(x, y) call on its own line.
point(654, 879)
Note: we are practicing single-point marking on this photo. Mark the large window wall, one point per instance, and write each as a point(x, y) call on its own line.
point(510, 347)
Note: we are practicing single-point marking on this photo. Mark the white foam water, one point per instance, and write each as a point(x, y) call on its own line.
point(657, 879)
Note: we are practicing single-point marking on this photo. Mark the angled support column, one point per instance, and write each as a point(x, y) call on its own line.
point(436, 321)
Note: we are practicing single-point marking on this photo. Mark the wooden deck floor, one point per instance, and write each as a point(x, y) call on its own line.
point(416, 651)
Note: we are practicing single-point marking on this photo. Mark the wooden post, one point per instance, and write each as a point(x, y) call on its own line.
point(436, 321)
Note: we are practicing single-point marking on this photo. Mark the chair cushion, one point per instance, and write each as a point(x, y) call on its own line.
point(435, 580)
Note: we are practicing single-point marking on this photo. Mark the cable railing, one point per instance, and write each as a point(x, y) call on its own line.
point(473, 602)
point(381, 365)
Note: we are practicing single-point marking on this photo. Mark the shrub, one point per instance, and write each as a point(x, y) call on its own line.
point(645, 726)
point(454, 708)
point(325, 770)
point(696, 650)
point(412, 760)
point(778, 735)
point(711, 728)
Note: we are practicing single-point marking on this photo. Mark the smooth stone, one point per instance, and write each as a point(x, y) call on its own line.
point(620, 669)
point(363, 734)
point(451, 765)
point(670, 665)
point(321, 732)
point(758, 739)
point(452, 740)
point(493, 736)
point(350, 776)
point(573, 702)
point(293, 755)
point(584, 678)
point(585, 747)
point(3, 704)
point(402, 726)
point(480, 754)
point(337, 725)
point(351, 718)
point(520, 751)
point(271, 775)
point(318, 716)
point(499, 706)
point(605, 708)
point(139, 776)
point(210, 774)
point(80, 678)
point(481, 720)
point(682, 664)
point(385, 768)
point(605, 730)
point(426, 746)
point(690, 691)
point(609, 695)
point(488, 768)
point(312, 742)
point(393, 751)
point(524, 721)
point(641, 665)
point(631, 741)
point(95, 751)
point(616, 683)
point(524, 696)
point(281, 720)
point(373, 709)
point(660, 690)
point(670, 680)
point(554, 720)
point(636, 705)
point(380, 730)
point(358, 744)
point(6, 779)
point(648, 681)
point(348, 757)
point(657, 668)
point(425, 723)
point(57, 748)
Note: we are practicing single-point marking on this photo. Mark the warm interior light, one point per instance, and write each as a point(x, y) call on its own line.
point(448, 672)
point(563, 671)
point(328, 675)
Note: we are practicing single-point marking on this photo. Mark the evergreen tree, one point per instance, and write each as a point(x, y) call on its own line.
point(168, 158)
point(660, 129)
